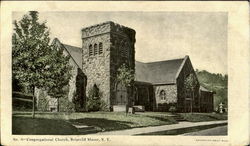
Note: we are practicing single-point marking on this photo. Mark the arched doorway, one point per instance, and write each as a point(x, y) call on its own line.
point(121, 95)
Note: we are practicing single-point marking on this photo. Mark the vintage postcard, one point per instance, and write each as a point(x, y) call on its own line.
point(124, 73)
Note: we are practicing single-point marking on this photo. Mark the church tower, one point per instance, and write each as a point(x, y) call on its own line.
point(106, 47)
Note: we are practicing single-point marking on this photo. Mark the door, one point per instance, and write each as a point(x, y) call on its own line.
point(121, 95)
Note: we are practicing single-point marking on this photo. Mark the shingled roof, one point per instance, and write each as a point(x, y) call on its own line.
point(75, 53)
point(162, 72)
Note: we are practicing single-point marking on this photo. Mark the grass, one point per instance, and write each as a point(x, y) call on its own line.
point(105, 121)
point(183, 130)
point(38, 126)
point(61, 123)
point(201, 117)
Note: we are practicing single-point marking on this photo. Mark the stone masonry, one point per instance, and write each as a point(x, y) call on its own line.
point(106, 47)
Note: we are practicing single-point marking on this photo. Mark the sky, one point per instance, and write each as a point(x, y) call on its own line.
point(159, 35)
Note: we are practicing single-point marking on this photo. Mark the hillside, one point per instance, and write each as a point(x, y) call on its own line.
point(216, 83)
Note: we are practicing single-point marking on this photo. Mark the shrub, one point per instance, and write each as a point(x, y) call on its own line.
point(65, 105)
point(172, 109)
point(94, 102)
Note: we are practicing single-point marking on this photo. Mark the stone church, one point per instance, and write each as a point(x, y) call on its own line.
point(157, 85)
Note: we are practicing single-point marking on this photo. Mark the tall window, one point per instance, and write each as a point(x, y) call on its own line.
point(126, 50)
point(163, 95)
point(95, 49)
point(122, 49)
point(90, 50)
point(100, 48)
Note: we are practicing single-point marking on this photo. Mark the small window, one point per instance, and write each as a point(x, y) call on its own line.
point(100, 48)
point(95, 49)
point(126, 50)
point(90, 50)
point(163, 95)
point(122, 49)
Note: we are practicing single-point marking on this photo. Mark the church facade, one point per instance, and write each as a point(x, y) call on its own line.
point(158, 86)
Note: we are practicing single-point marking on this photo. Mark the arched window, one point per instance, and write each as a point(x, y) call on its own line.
point(95, 49)
point(163, 95)
point(100, 48)
point(122, 49)
point(90, 50)
point(126, 47)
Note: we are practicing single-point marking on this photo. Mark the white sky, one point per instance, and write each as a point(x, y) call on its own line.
point(159, 35)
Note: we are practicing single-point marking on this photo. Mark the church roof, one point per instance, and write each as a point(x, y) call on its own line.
point(75, 53)
point(162, 72)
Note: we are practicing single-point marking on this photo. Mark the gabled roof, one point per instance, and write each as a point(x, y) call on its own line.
point(162, 72)
point(74, 52)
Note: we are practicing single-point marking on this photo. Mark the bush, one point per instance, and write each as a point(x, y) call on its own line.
point(172, 109)
point(65, 105)
point(94, 102)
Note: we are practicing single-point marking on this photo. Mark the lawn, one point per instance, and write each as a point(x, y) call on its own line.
point(50, 123)
point(201, 117)
point(39, 126)
point(61, 123)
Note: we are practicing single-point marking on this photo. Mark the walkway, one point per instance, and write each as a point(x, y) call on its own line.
point(144, 130)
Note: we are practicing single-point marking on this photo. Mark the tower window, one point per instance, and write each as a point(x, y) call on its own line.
point(90, 50)
point(100, 48)
point(95, 49)
point(126, 50)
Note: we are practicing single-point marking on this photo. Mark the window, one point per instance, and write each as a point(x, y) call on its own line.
point(90, 50)
point(163, 95)
point(126, 50)
point(95, 49)
point(122, 49)
point(100, 48)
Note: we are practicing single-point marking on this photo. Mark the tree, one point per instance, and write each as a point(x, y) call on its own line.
point(58, 74)
point(36, 63)
point(125, 76)
point(94, 99)
point(190, 84)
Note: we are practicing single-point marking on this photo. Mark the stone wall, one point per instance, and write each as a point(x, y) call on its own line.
point(183, 104)
point(101, 69)
point(97, 68)
point(122, 52)
point(170, 93)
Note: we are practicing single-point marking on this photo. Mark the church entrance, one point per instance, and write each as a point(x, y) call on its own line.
point(121, 95)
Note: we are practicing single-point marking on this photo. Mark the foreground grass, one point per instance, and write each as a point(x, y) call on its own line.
point(61, 123)
point(39, 126)
point(104, 121)
point(201, 117)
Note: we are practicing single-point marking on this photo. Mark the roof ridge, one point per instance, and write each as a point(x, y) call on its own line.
point(71, 46)
point(160, 61)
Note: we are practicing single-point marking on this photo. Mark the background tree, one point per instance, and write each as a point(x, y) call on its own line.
point(190, 84)
point(214, 82)
point(35, 62)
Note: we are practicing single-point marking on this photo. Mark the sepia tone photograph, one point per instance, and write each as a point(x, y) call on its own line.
point(120, 73)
